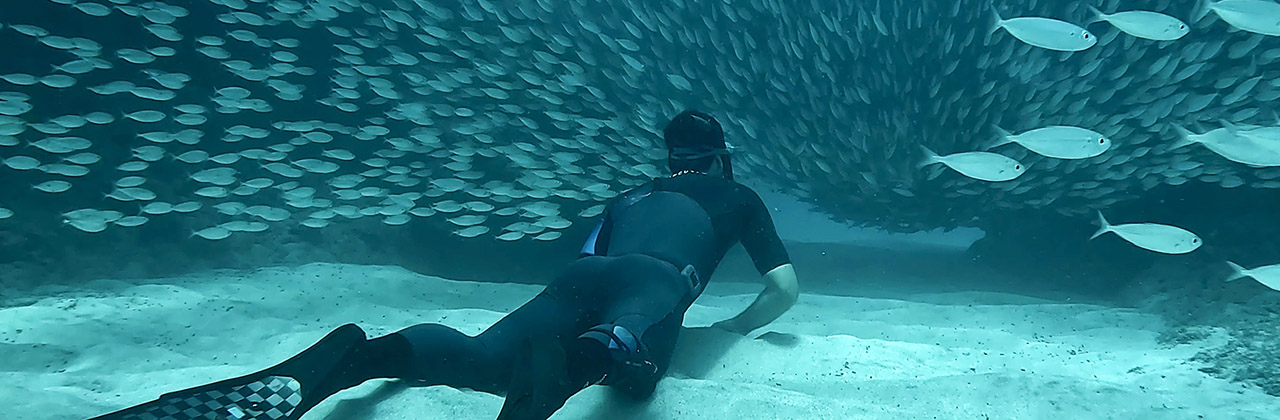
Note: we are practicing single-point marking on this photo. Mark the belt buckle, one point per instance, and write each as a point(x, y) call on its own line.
point(691, 275)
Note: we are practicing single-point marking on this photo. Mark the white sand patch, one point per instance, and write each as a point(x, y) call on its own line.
point(74, 354)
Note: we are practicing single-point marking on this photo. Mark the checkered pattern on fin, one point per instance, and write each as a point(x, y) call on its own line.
point(272, 398)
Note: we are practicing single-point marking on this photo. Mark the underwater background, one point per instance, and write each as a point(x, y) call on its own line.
point(478, 141)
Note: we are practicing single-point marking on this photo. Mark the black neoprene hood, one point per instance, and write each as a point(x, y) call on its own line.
point(694, 130)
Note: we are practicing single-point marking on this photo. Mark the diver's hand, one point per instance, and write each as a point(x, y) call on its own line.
point(733, 326)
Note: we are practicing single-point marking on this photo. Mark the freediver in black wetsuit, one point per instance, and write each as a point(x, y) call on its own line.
point(611, 318)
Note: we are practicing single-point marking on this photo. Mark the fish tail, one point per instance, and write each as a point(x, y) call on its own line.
point(1184, 137)
point(1202, 10)
point(1002, 137)
point(1098, 16)
point(1105, 227)
point(997, 22)
point(1237, 272)
point(929, 157)
point(1231, 128)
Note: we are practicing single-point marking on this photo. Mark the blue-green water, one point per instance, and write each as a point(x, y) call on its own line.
point(426, 133)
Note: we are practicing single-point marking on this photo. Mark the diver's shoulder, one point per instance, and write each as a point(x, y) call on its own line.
point(746, 195)
point(705, 181)
point(740, 186)
point(742, 192)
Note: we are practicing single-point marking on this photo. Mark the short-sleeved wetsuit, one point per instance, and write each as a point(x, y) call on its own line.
point(634, 272)
point(689, 220)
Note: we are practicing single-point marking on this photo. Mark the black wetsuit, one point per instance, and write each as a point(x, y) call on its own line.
point(630, 274)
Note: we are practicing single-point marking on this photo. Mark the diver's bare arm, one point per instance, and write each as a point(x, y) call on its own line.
point(780, 292)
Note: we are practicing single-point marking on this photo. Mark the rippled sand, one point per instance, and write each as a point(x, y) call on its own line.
point(963, 355)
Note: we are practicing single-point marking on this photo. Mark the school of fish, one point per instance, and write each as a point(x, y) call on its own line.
point(514, 120)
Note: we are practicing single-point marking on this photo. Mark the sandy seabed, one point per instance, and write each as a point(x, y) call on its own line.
point(74, 353)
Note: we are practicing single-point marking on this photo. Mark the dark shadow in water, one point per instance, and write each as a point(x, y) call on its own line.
point(362, 408)
point(619, 406)
point(780, 339)
point(699, 350)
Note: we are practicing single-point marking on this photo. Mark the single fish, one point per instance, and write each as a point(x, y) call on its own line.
point(131, 221)
point(53, 187)
point(187, 207)
point(1257, 16)
point(471, 232)
point(62, 145)
point(510, 236)
point(65, 170)
point(1144, 24)
point(1061, 142)
point(212, 192)
point(1164, 239)
point(146, 116)
point(58, 81)
point(89, 226)
point(85, 158)
point(1268, 275)
point(1267, 138)
point(92, 9)
point(157, 208)
point(20, 79)
point(1045, 33)
point(315, 223)
point(259, 183)
point(192, 157)
point(978, 165)
point(164, 32)
point(21, 163)
point(133, 166)
point(212, 233)
point(339, 154)
point(547, 236)
point(1236, 148)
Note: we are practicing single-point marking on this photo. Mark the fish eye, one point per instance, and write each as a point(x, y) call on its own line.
point(1086, 35)
point(1102, 140)
point(1017, 167)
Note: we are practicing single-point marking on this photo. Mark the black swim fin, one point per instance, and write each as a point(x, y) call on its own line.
point(540, 382)
point(282, 392)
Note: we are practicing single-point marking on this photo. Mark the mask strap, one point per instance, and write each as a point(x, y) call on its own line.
point(681, 153)
point(728, 167)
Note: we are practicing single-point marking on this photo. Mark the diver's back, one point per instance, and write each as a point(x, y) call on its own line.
point(666, 225)
point(689, 219)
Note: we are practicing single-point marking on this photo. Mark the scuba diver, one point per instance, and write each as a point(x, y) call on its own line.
point(611, 318)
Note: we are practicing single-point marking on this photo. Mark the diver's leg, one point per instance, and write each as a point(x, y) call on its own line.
point(660, 343)
point(340, 360)
point(642, 323)
point(445, 356)
point(540, 371)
